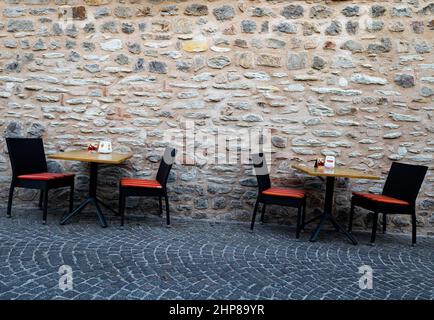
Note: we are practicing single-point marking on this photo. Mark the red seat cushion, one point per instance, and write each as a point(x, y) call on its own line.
point(140, 183)
point(45, 176)
point(381, 198)
point(285, 192)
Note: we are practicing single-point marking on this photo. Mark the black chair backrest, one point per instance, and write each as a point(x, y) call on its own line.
point(404, 181)
point(26, 155)
point(166, 165)
point(261, 171)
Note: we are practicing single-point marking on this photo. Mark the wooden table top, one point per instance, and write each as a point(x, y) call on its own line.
point(335, 172)
point(85, 156)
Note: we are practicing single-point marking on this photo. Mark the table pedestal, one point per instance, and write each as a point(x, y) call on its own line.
point(91, 199)
point(327, 214)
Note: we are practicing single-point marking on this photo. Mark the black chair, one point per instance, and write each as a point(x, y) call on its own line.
point(398, 197)
point(130, 187)
point(29, 170)
point(272, 195)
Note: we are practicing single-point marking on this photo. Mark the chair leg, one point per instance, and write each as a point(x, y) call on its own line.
point(11, 195)
point(254, 215)
point(350, 221)
point(263, 212)
point(167, 210)
point(384, 223)
point(374, 228)
point(71, 198)
point(303, 217)
point(160, 202)
point(413, 228)
point(41, 197)
point(298, 228)
point(121, 208)
point(45, 208)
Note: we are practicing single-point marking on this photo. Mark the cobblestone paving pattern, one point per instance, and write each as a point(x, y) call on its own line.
point(203, 260)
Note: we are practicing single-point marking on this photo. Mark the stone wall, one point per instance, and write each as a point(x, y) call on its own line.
point(353, 79)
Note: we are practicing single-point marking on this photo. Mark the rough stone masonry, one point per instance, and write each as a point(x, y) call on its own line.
point(353, 79)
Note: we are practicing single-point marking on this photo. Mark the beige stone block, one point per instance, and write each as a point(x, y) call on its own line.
point(195, 45)
point(97, 2)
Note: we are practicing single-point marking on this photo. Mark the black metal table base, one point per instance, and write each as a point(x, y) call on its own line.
point(91, 199)
point(337, 226)
point(312, 220)
point(107, 207)
point(327, 215)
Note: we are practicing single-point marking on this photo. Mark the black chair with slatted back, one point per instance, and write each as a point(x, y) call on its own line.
point(267, 194)
point(131, 187)
point(29, 170)
point(398, 197)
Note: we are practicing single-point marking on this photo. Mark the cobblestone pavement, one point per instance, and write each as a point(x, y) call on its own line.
point(202, 260)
